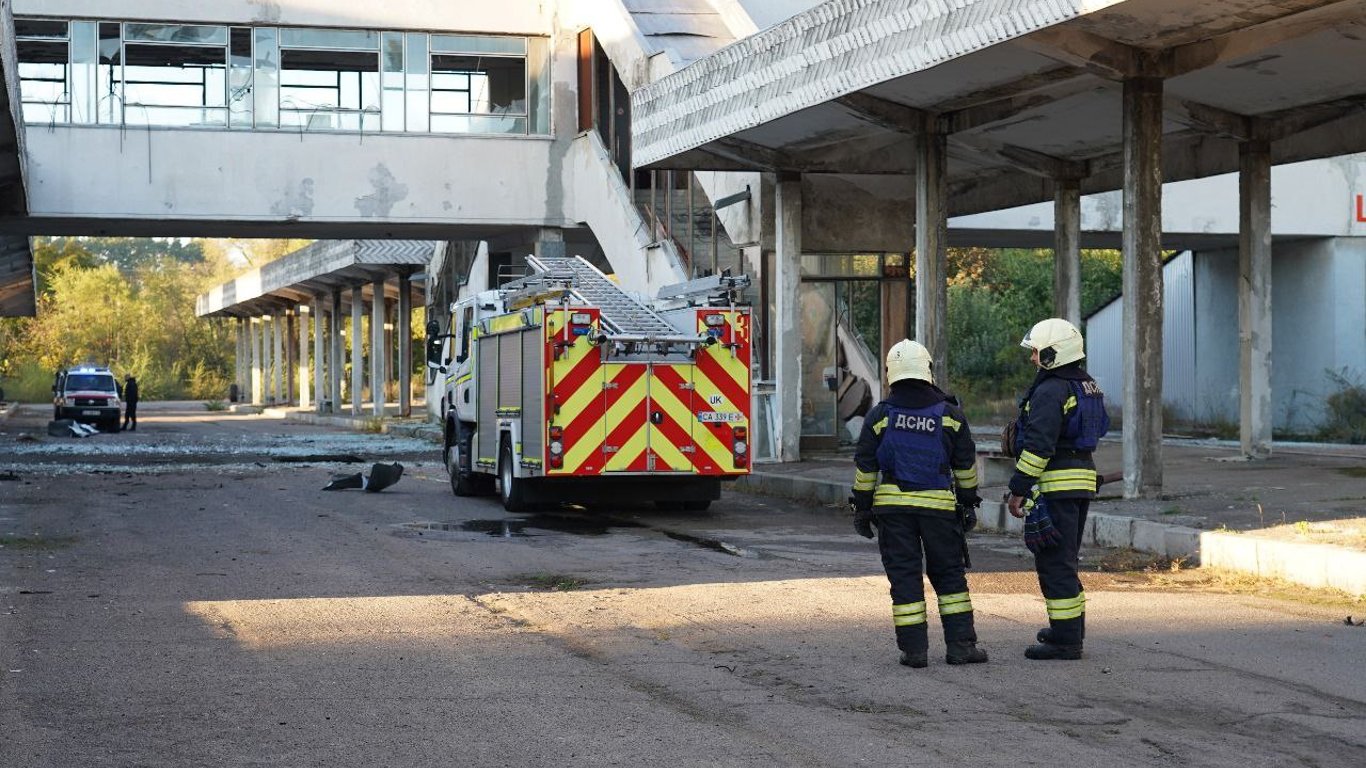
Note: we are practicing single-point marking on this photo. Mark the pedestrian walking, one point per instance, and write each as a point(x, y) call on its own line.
point(915, 489)
point(1061, 420)
point(130, 402)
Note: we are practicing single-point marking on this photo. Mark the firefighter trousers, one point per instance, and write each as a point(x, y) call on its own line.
point(1057, 571)
point(902, 537)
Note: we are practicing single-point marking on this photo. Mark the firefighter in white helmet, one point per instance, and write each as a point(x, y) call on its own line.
point(1062, 418)
point(915, 480)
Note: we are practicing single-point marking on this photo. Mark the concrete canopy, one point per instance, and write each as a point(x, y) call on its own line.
point(1028, 91)
point(17, 297)
point(315, 271)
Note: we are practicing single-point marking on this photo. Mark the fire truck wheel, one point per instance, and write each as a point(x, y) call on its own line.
point(509, 487)
point(457, 465)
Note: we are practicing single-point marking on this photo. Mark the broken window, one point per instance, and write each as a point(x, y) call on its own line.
point(180, 85)
point(325, 90)
point(478, 94)
point(44, 70)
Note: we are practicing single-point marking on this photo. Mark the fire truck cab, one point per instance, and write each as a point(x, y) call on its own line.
point(562, 387)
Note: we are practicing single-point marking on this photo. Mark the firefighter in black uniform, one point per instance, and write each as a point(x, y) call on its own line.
point(1062, 418)
point(915, 469)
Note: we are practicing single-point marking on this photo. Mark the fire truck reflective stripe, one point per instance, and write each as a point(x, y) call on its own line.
point(584, 435)
point(626, 418)
point(713, 439)
point(571, 373)
point(674, 433)
point(725, 378)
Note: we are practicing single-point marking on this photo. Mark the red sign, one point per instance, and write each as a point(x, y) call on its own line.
point(1361, 208)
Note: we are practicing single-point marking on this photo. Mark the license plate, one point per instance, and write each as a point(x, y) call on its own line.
point(722, 417)
point(90, 413)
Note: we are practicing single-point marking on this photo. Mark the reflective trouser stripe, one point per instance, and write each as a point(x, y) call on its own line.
point(1056, 480)
point(891, 496)
point(1067, 607)
point(955, 603)
point(909, 613)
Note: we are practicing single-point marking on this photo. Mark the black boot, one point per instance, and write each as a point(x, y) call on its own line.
point(1053, 652)
point(915, 659)
point(965, 652)
point(1045, 635)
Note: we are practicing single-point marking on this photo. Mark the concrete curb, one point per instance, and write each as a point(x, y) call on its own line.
point(1312, 565)
point(421, 431)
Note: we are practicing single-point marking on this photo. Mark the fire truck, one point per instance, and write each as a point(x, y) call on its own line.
point(562, 387)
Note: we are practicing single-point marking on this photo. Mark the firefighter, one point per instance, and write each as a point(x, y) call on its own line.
point(1062, 418)
point(130, 400)
point(915, 469)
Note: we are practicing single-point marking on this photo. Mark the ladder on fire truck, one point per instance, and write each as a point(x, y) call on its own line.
point(621, 314)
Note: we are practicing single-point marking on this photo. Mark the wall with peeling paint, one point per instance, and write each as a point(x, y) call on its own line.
point(302, 177)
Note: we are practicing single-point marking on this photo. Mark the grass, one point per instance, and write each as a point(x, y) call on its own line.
point(1132, 560)
point(373, 425)
point(555, 582)
point(1358, 472)
point(215, 405)
point(36, 543)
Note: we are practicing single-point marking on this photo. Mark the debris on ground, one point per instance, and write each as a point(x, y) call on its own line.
point(8, 477)
point(381, 476)
point(69, 428)
point(1349, 621)
point(321, 458)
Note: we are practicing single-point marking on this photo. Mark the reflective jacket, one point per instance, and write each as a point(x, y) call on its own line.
point(915, 453)
point(1061, 419)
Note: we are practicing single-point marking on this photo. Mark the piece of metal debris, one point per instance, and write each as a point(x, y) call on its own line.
point(381, 476)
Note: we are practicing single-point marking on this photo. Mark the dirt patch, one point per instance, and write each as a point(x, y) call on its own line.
point(1345, 533)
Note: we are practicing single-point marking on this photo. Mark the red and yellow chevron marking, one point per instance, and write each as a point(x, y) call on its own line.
point(626, 416)
point(671, 439)
point(574, 395)
point(721, 393)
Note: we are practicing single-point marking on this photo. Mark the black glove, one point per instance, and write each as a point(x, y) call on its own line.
point(863, 520)
point(967, 516)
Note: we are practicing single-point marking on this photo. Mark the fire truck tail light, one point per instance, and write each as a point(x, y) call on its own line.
point(556, 447)
point(581, 318)
point(714, 320)
point(556, 461)
point(740, 446)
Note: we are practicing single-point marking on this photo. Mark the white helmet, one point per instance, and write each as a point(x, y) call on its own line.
point(908, 360)
point(1057, 341)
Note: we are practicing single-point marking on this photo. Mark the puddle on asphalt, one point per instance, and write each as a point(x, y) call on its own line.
point(535, 525)
point(518, 527)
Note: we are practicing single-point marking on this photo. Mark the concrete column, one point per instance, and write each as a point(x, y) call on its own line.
point(319, 392)
point(239, 356)
point(278, 390)
point(787, 331)
point(303, 370)
point(256, 329)
point(403, 330)
point(898, 314)
point(931, 248)
point(357, 352)
point(550, 243)
point(290, 325)
point(1067, 250)
point(1254, 298)
point(378, 365)
point(334, 356)
point(1142, 309)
